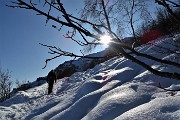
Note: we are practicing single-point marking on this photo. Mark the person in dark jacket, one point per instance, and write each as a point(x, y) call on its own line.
point(51, 78)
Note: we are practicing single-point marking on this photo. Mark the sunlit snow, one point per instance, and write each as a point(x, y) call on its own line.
point(116, 89)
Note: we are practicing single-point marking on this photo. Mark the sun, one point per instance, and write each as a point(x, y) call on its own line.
point(105, 39)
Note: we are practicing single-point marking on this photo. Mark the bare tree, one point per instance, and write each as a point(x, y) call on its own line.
point(100, 26)
point(132, 9)
point(5, 85)
point(166, 5)
point(121, 14)
point(20, 83)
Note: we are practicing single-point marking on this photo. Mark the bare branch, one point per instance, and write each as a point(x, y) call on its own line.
point(159, 73)
point(58, 52)
point(167, 89)
point(165, 5)
point(75, 24)
point(106, 15)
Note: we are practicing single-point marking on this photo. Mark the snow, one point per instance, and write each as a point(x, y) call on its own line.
point(157, 109)
point(116, 89)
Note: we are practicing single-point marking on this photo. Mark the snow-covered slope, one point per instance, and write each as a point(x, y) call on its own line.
point(116, 89)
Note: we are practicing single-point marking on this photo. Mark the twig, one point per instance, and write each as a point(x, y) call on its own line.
point(167, 89)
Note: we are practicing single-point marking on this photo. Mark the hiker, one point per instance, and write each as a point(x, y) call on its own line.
point(51, 78)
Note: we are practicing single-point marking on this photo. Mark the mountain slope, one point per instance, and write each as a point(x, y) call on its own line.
point(116, 89)
point(67, 68)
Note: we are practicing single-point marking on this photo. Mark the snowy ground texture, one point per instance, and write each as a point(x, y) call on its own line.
point(116, 89)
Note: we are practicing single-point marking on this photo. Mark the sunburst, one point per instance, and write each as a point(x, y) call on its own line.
point(105, 39)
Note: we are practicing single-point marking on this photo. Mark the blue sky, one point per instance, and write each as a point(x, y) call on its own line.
point(21, 31)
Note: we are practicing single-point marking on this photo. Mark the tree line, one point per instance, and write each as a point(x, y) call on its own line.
point(164, 22)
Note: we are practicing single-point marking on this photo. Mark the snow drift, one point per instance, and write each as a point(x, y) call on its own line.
point(116, 89)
